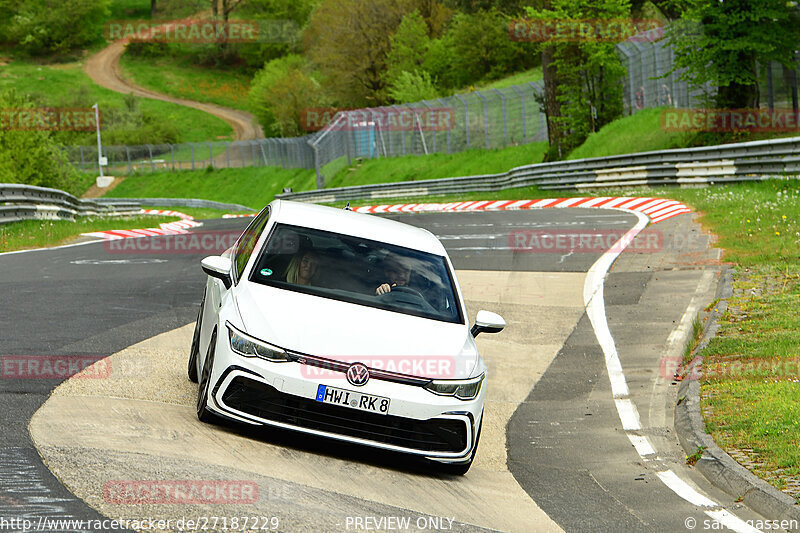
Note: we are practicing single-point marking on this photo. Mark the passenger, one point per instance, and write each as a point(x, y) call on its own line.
point(397, 272)
point(302, 268)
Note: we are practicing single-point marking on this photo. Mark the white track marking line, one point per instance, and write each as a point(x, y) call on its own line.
point(731, 521)
point(629, 416)
point(682, 489)
point(642, 445)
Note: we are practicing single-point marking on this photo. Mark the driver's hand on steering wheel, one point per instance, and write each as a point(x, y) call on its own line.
point(384, 288)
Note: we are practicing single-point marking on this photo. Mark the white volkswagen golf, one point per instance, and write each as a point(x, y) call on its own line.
point(346, 326)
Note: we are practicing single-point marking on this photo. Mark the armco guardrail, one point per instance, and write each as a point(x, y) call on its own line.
point(690, 166)
point(176, 202)
point(26, 202)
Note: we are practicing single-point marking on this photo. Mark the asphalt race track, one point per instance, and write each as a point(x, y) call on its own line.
point(556, 452)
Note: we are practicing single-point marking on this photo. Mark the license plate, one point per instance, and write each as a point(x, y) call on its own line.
point(352, 399)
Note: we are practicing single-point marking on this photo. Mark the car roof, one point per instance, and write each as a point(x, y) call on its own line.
point(357, 224)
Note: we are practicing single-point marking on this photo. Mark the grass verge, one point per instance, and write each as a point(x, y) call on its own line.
point(76, 89)
point(177, 77)
point(257, 186)
point(41, 233)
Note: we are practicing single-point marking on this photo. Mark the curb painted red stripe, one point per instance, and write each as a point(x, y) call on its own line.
point(165, 228)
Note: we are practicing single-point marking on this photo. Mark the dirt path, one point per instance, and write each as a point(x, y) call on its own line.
point(103, 68)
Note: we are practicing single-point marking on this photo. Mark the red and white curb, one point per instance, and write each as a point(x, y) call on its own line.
point(165, 228)
point(239, 215)
point(656, 209)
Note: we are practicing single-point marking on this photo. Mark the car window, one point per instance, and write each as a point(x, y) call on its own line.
point(247, 242)
point(351, 269)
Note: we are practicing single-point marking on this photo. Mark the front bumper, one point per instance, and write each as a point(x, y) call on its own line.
point(283, 395)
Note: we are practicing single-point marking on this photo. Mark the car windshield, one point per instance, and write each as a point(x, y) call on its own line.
point(358, 271)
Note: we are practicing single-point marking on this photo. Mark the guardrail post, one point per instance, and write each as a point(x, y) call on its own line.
point(466, 116)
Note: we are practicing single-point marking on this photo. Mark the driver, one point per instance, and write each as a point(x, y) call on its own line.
point(397, 272)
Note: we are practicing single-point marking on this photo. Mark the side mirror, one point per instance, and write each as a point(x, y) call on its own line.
point(487, 322)
point(218, 267)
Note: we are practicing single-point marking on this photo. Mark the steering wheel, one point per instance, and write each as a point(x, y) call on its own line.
point(406, 290)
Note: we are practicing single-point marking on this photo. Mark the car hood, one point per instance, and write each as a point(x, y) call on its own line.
point(350, 332)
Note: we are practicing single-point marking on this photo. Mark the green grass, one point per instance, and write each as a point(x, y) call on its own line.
point(641, 132)
point(129, 10)
point(252, 186)
point(199, 213)
point(534, 74)
point(411, 168)
point(40, 233)
point(176, 77)
point(68, 80)
point(256, 186)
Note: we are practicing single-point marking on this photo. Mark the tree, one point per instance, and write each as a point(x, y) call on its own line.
point(32, 157)
point(348, 41)
point(280, 92)
point(582, 77)
point(721, 43)
point(482, 47)
point(413, 87)
point(44, 27)
point(408, 47)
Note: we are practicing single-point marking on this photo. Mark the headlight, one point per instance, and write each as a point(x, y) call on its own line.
point(247, 346)
point(463, 389)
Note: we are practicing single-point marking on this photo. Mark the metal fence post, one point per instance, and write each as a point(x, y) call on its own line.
point(80, 150)
point(171, 155)
point(521, 96)
point(227, 156)
point(128, 153)
point(451, 117)
point(433, 126)
point(466, 116)
point(210, 154)
point(192, 146)
point(152, 165)
point(485, 117)
point(505, 127)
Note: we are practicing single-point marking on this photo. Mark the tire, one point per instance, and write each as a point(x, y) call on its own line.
point(459, 469)
point(194, 351)
point(203, 414)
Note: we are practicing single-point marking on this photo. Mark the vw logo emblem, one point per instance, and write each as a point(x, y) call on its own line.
point(357, 374)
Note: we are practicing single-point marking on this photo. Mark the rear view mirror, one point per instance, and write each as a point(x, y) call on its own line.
point(219, 267)
point(487, 322)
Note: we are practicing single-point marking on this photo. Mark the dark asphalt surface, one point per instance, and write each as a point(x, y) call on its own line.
point(91, 300)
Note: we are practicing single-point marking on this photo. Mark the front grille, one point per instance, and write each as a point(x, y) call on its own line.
point(264, 401)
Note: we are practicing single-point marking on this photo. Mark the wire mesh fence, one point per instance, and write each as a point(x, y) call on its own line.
point(483, 119)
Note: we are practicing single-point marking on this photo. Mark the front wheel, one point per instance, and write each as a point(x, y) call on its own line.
point(203, 414)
